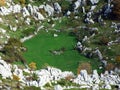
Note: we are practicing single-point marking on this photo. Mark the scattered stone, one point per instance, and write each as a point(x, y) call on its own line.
point(55, 35)
point(95, 87)
point(107, 86)
point(5, 69)
point(57, 7)
point(58, 87)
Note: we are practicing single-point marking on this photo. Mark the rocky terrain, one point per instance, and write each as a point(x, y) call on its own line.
point(51, 77)
point(90, 21)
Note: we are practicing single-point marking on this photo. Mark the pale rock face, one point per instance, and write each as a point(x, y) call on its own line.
point(83, 3)
point(95, 77)
point(55, 35)
point(26, 70)
point(78, 43)
point(84, 74)
point(13, 28)
point(85, 39)
point(4, 11)
point(57, 7)
point(107, 86)
point(49, 9)
point(16, 8)
point(19, 73)
point(77, 4)
point(93, 8)
point(53, 74)
point(95, 87)
point(28, 21)
point(16, 21)
point(38, 16)
point(44, 79)
point(89, 20)
point(25, 12)
point(68, 13)
point(99, 54)
point(58, 87)
point(117, 70)
point(33, 83)
point(94, 1)
point(2, 30)
point(39, 28)
point(35, 9)
point(26, 38)
point(5, 69)
point(1, 20)
point(50, 74)
point(30, 9)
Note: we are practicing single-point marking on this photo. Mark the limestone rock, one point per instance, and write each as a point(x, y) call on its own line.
point(5, 69)
point(58, 87)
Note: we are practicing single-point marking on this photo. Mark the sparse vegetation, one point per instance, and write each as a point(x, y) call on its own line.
point(13, 51)
point(116, 9)
point(84, 66)
point(32, 65)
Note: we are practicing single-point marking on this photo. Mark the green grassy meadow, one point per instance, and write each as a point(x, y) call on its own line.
point(38, 51)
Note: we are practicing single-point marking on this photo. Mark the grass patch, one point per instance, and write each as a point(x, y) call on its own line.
point(39, 46)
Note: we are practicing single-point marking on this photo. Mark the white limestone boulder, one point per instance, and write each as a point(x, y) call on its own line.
point(57, 7)
point(94, 1)
point(95, 77)
point(108, 87)
point(58, 87)
point(5, 69)
point(25, 12)
point(49, 9)
point(95, 87)
point(38, 16)
point(55, 35)
point(16, 8)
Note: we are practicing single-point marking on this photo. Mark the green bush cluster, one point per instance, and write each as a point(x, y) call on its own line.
point(28, 31)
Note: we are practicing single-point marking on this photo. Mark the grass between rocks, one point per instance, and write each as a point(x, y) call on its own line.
point(39, 46)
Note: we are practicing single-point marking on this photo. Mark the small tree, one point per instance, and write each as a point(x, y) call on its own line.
point(32, 65)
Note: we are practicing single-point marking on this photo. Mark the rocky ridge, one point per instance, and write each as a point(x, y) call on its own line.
point(53, 75)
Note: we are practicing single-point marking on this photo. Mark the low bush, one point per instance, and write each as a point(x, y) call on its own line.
point(28, 31)
point(110, 66)
point(103, 40)
point(84, 66)
point(2, 2)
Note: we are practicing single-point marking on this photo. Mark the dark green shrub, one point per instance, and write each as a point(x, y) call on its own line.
point(28, 31)
point(103, 40)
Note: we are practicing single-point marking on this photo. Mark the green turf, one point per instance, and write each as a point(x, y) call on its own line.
point(39, 46)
